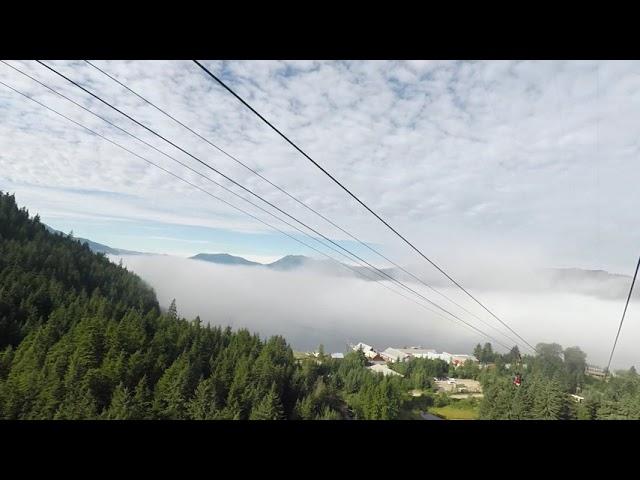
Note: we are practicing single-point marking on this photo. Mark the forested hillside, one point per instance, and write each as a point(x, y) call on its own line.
point(549, 379)
point(83, 338)
point(41, 272)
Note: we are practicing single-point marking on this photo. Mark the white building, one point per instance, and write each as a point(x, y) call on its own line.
point(361, 346)
point(439, 356)
point(337, 355)
point(383, 369)
point(368, 350)
point(417, 352)
point(460, 359)
point(394, 355)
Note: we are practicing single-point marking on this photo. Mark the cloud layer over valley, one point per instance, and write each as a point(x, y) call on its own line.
point(309, 308)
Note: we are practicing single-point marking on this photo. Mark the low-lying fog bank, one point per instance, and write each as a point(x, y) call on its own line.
point(309, 309)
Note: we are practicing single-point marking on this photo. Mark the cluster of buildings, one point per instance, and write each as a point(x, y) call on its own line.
point(378, 360)
point(393, 354)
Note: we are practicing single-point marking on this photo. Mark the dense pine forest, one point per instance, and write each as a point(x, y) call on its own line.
point(549, 379)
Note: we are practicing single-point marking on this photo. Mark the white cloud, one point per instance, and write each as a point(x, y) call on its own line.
point(539, 154)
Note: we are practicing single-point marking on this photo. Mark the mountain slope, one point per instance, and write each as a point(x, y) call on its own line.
point(597, 283)
point(98, 247)
point(41, 271)
point(291, 262)
point(287, 263)
point(223, 259)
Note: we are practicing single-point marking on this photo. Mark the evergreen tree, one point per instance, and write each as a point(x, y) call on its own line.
point(549, 401)
point(514, 355)
point(269, 408)
point(305, 408)
point(575, 362)
point(487, 355)
point(238, 401)
point(477, 352)
point(522, 403)
point(171, 393)
point(328, 414)
point(121, 403)
point(78, 404)
point(203, 404)
point(142, 401)
point(173, 310)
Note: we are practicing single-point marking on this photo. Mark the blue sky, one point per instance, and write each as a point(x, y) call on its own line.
point(186, 240)
point(488, 161)
point(176, 239)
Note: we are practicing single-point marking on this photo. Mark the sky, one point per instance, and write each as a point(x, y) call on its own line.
point(524, 159)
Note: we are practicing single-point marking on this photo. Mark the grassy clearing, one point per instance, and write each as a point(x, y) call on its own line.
point(456, 412)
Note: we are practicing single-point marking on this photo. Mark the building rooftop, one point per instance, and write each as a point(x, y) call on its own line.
point(416, 350)
point(395, 353)
point(383, 369)
point(363, 346)
point(463, 355)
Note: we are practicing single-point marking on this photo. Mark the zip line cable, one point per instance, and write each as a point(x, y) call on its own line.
point(297, 200)
point(380, 272)
point(335, 180)
point(464, 324)
point(622, 319)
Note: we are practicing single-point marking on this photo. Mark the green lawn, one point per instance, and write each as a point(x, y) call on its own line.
point(454, 412)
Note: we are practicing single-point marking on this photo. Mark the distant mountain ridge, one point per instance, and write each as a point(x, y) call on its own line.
point(599, 283)
point(294, 262)
point(286, 263)
point(223, 259)
point(580, 273)
point(290, 262)
point(99, 247)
